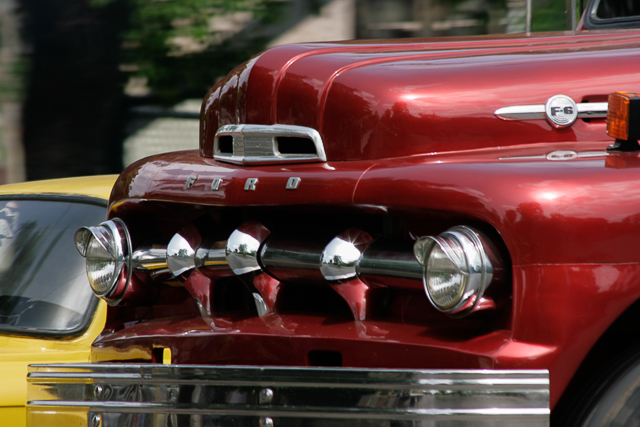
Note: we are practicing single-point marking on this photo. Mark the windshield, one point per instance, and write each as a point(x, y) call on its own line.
point(617, 9)
point(43, 284)
point(611, 14)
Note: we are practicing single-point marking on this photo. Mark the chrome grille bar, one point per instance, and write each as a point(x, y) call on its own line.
point(286, 396)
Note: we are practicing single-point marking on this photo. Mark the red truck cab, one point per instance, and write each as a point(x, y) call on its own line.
point(419, 232)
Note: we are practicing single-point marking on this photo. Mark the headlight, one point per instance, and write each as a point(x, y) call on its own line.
point(107, 249)
point(457, 269)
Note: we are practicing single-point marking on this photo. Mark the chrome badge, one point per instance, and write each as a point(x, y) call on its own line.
point(560, 111)
point(560, 155)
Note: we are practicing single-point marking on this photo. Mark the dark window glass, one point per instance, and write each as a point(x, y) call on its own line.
point(43, 284)
point(610, 9)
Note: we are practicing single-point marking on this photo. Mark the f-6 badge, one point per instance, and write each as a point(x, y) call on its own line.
point(560, 111)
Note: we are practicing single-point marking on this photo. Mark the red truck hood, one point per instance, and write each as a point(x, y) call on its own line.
point(380, 100)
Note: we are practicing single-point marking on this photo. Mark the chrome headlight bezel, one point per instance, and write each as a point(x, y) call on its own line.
point(113, 237)
point(463, 248)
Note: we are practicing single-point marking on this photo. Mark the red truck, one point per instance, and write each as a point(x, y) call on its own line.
point(437, 232)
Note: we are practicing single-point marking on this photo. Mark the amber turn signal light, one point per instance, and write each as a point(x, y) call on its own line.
point(623, 116)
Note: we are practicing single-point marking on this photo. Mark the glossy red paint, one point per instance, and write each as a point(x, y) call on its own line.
point(530, 202)
point(555, 336)
point(560, 286)
point(413, 148)
point(200, 287)
point(357, 294)
point(526, 200)
point(165, 177)
point(286, 339)
point(374, 101)
point(269, 289)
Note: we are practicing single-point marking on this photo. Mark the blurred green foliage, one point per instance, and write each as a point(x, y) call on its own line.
point(175, 47)
point(549, 15)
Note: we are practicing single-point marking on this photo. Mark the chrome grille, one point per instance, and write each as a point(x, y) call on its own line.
point(251, 396)
point(261, 144)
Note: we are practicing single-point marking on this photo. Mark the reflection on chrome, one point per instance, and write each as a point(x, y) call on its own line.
point(340, 257)
point(453, 266)
point(292, 261)
point(457, 269)
point(107, 249)
point(301, 396)
point(261, 306)
point(180, 255)
point(261, 144)
point(242, 250)
point(151, 262)
point(211, 259)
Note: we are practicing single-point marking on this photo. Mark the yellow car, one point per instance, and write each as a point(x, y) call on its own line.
point(48, 313)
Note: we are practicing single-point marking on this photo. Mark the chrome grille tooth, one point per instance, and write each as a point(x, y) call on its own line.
point(242, 251)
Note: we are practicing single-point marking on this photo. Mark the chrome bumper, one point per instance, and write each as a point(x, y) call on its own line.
point(100, 395)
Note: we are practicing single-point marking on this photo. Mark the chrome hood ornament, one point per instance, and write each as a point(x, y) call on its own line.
point(262, 144)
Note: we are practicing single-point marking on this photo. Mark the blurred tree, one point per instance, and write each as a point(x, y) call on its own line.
point(181, 47)
point(83, 51)
point(549, 15)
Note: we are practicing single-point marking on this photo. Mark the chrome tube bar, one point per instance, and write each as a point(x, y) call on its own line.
point(297, 261)
point(151, 262)
point(212, 261)
point(292, 260)
point(109, 394)
point(249, 250)
point(387, 263)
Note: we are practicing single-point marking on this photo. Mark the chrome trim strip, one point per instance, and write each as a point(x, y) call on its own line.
point(586, 110)
point(582, 155)
point(318, 395)
point(521, 112)
point(595, 110)
point(257, 144)
point(416, 414)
